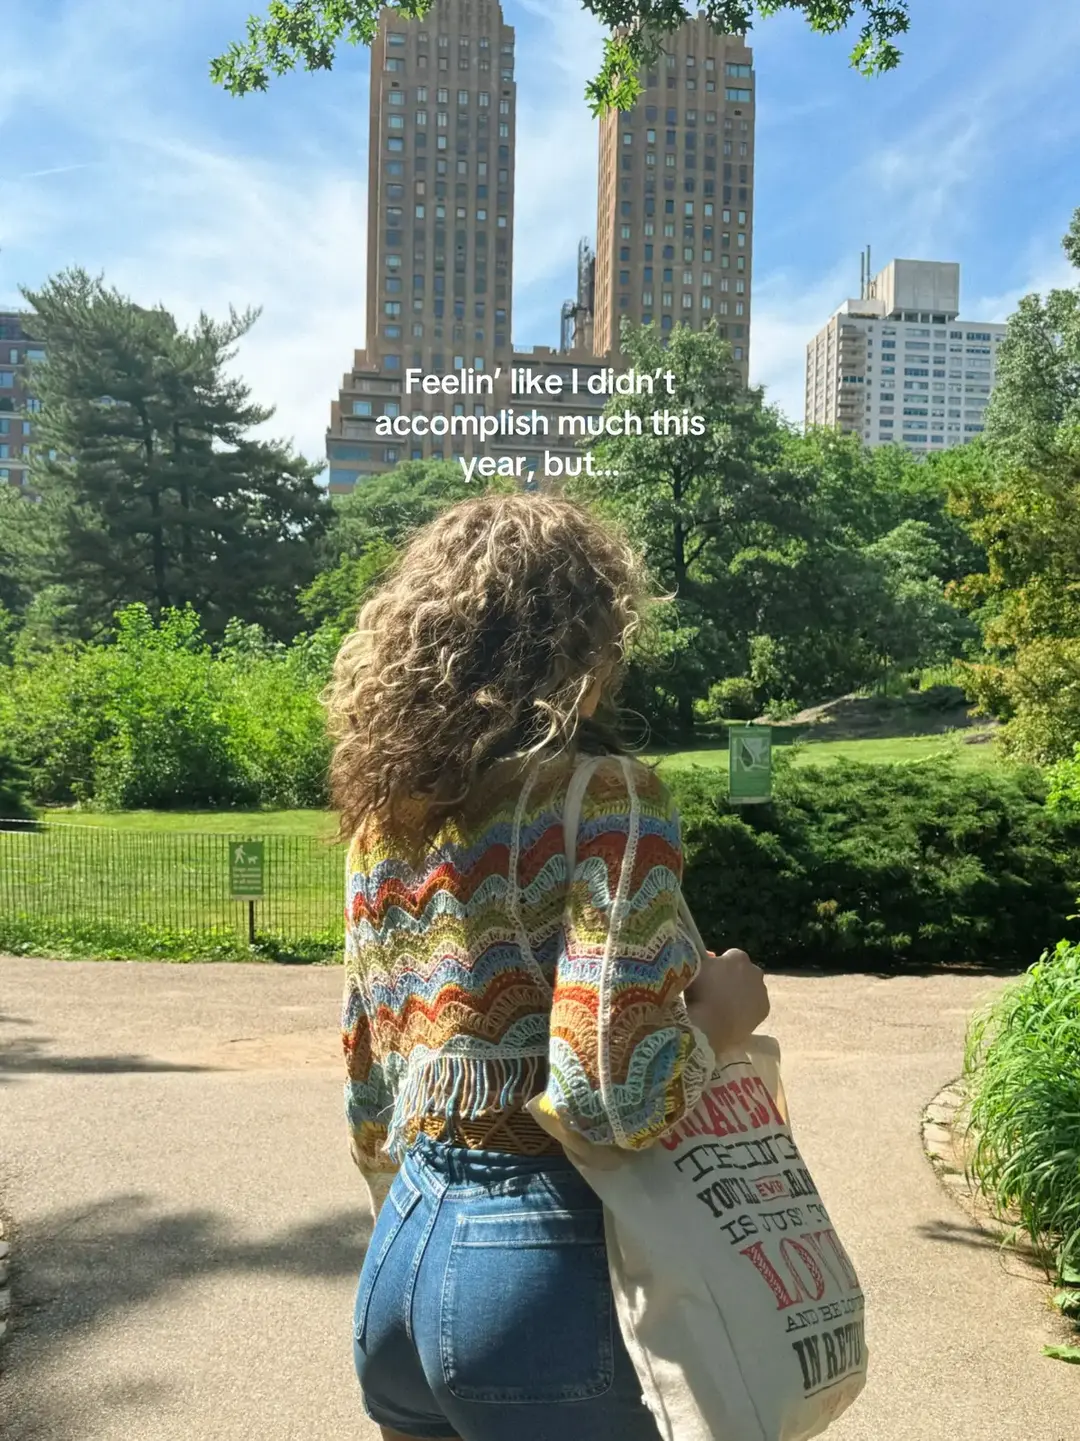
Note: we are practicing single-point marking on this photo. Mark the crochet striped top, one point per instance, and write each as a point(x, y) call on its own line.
point(473, 982)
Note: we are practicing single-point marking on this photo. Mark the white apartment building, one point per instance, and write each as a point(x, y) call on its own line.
point(898, 365)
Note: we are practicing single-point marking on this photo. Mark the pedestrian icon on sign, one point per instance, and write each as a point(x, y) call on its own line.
point(246, 876)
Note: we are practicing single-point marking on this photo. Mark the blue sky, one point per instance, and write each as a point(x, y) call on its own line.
point(122, 157)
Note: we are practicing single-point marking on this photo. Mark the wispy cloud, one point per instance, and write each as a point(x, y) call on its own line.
point(198, 216)
point(51, 170)
point(1042, 277)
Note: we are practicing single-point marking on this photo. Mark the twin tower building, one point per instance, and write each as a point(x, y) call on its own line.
point(673, 240)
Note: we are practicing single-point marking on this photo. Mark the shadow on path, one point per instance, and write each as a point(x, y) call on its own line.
point(85, 1266)
point(28, 1055)
point(954, 1233)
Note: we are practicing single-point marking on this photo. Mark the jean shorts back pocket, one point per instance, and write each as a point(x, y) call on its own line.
point(527, 1314)
point(396, 1210)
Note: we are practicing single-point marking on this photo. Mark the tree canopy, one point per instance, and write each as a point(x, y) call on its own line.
point(1017, 491)
point(307, 34)
point(152, 488)
point(806, 565)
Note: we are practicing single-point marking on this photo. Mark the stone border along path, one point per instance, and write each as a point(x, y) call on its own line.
point(948, 1149)
point(5, 1283)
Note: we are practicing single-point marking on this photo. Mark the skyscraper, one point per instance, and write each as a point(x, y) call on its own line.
point(898, 365)
point(440, 254)
point(440, 189)
point(674, 229)
point(440, 227)
point(676, 188)
point(17, 349)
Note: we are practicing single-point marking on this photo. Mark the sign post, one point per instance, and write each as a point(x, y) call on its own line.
point(247, 875)
point(750, 765)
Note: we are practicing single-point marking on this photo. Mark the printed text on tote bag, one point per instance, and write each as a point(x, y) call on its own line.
point(737, 1152)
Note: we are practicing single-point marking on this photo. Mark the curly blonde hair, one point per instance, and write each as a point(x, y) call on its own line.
point(498, 620)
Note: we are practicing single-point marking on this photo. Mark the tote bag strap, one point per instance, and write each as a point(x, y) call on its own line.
point(575, 794)
point(571, 822)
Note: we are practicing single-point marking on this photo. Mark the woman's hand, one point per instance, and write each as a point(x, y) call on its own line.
point(728, 1000)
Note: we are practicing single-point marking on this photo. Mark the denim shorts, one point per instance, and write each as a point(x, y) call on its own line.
point(484, 1309)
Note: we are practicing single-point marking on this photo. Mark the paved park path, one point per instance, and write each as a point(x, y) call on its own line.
point(188, 1229)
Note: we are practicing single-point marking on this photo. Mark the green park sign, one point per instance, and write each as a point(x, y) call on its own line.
point(750, 764)
point(247, 876)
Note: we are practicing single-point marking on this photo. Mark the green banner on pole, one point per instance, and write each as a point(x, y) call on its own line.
point(246, 870)
point(750, 764)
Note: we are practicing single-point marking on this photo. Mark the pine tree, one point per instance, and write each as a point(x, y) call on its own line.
point(143, 447)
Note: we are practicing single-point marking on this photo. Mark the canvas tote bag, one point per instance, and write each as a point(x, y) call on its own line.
point(736, 1299)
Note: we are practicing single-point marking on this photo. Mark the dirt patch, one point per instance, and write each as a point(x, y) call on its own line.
point(858, 717)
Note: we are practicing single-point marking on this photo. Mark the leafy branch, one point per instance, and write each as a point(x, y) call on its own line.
point(306, 34)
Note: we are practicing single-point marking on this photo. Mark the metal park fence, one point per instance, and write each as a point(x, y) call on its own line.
point(148, 891)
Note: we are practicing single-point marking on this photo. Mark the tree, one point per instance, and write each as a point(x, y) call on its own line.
point(14, 509)
point(307, 33)
point(389, 506)
point(1035, 406)
point(733, 521)
point(14, 788)
point(1018, 493)
point(154, 489)
point(335, 596)
point(911, 622)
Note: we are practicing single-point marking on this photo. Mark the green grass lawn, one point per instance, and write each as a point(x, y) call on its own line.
point(320, 824)
point(883, 752)
point(156, 883)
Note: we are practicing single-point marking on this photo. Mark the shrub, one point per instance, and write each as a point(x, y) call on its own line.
point(1037, 696)
point(1023, 1065)
point(14, 786)
point(881, 867)
point(158, 720)
point(733, 698)
point(1064, 784)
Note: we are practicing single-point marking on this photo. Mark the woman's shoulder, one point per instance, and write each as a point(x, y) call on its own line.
point(609, 785)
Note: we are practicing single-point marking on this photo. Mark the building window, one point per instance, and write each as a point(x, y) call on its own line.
point(741, 96)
